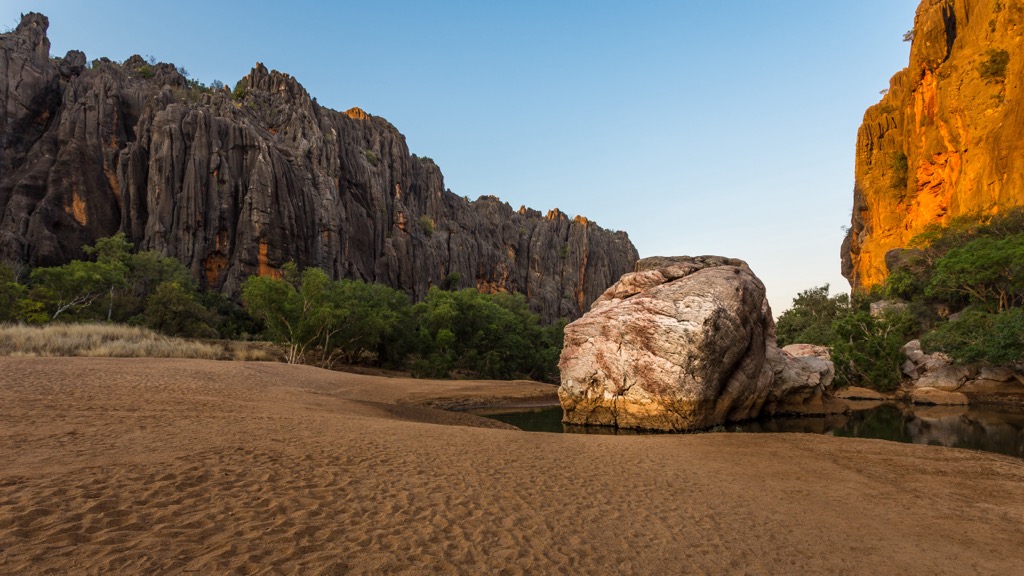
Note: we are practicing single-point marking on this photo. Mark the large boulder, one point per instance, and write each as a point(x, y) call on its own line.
point(681, 344)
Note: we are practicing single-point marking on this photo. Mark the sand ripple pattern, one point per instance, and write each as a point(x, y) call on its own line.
point(118, 466)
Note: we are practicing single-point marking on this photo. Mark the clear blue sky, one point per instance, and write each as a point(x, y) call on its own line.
point(697, 127)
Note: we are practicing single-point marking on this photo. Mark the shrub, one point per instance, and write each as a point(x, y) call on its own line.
point(993, 68)
point(174, 310)
point(146, 71)
point(426, 223)
point(371, 157)
point(900, 170)
point(986, 272)
point(99, 340)
point(867, 351)
point(810, 319)
point(487, 335)
point(240, 88)
point(451, 281)
point(979, 337)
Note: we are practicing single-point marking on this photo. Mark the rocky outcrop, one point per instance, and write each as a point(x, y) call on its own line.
point(802, 381)
point(947, 139)
point(239, 183)
point(682, 344)
point(935, 370)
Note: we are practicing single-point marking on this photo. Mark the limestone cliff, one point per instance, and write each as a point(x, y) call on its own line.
point(947, 139)
point(239, 183)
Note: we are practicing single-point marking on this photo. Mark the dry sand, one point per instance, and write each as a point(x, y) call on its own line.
point(200, 467)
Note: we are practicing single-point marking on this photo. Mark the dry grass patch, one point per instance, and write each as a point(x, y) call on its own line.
point(112, 340)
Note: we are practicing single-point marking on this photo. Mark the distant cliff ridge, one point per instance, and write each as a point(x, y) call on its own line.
point(948, 137)
point(239, 183)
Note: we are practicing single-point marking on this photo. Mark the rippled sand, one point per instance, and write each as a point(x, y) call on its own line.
point(204, 467)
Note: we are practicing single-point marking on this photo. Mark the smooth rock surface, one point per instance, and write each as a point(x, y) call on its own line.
point(937, 397)
point(857, 393)
point(998, 374)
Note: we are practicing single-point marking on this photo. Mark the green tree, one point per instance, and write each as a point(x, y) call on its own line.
point(11, 295)
point(361, 316)
point(69, 289)
point(867, 350)
point(112, 254)
point(810, 319)
point(980, 337)
point(295, 309)
point(174, 310)
point(986, 271)
point(489, 335)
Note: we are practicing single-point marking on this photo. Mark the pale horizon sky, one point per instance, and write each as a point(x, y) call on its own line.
point(696, 127)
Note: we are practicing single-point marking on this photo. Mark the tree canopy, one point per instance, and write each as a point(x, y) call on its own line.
point(319, 320)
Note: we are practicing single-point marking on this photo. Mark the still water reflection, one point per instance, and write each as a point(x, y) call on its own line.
point(978, 428)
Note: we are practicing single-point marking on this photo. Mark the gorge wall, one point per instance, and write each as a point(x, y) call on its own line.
point(947, 138)
point(234, 184)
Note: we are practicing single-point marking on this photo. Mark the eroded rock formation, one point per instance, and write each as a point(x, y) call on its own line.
point(234, 184)
point(682, 344)
point(947, 139)
point(929, 375)
point(802, 381)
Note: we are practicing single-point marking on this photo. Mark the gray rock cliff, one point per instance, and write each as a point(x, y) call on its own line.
point(234, 184)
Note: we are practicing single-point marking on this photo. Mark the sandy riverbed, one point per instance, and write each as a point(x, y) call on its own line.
point(202, 467)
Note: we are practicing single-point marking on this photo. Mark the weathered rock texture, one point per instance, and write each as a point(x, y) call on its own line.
point(802, 381)
point(936, 397)
point(948, 137)
point(936, 371)
point(681, 344)
point(238, 185)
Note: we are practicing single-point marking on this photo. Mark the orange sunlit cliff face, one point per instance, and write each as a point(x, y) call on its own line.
point(947, 138)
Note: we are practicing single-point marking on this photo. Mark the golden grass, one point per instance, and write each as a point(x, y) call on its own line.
point(112, 340)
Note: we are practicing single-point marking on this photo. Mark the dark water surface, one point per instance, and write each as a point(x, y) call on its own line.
point(978, 428)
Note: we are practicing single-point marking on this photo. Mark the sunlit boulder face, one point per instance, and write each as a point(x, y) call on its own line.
point(678, 344)
point(685, 343)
